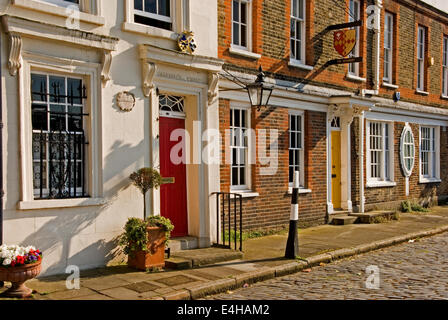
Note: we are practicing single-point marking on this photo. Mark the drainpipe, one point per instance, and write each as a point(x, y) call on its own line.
point(377, 40)
point(361, 163)
point(377, 30)
point(1, 145)
point(1, 148)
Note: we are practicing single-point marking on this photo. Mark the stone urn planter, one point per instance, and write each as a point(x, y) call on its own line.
point(154, 256)
point(18, 276)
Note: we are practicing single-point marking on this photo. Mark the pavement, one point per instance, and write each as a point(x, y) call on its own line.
point(263, 260)
point(413, 270)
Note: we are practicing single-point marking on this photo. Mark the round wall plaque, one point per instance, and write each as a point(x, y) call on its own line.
point(125, 101)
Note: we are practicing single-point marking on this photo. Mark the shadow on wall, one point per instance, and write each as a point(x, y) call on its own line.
point(73, 236)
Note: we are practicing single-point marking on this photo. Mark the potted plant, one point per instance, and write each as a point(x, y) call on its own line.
point(144, 240)
point(17, 265)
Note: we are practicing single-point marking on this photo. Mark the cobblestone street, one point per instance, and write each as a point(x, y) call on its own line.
point(415, 270)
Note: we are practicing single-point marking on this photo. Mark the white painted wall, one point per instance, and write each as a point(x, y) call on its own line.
point(85, 236)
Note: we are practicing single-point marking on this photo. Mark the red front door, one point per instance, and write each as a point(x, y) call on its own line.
point(173, 197)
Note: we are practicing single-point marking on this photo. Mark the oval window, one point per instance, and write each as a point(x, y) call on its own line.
point(407, 154)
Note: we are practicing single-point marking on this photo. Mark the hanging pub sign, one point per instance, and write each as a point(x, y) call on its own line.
point(344, 41)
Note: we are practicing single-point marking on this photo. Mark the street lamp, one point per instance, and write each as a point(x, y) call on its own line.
point(259, 91)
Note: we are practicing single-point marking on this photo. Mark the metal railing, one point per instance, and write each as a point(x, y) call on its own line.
point(224, 210)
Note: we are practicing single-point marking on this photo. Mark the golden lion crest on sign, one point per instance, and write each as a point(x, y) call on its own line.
point(186, 42)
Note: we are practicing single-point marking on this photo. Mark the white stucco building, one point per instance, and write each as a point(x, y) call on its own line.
point(68, 146)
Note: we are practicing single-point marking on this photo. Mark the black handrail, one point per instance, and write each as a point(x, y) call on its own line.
point(221, 219)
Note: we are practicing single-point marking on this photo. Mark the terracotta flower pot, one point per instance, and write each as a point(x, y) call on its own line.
point(17, 276)
point(155, 256)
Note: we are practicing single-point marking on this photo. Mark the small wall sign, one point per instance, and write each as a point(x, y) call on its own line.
point(125, 101)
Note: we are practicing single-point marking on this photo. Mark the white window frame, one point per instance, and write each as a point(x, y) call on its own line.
point(302, 21)
point(247, 171)
point(386, 154)
point(300, 114)
point(388, 47)
point(445, 67)
point(433, 155)
point(180, 16)
point(404, 145)
point(421, 51)
point(353, 68)
point(248, 46)
point(155, 15)
point(36, 64)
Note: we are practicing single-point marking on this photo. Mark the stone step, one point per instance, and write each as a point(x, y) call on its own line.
point(183, 243)
point(341, 220)
point(186, 259)
point(374, 216)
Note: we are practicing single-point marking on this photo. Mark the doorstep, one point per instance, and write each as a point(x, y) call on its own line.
point(183, 243)
point(373, 216)
point(187, 259)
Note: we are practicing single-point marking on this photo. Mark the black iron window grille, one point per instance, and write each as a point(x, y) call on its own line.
point(59, 139)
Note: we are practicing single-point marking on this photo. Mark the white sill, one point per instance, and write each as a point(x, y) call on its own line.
point(149, 30)
point(246, 193)
point(244, 53)
point(299, 65)
point(58, 11)
point(444, 97)
point(355, 78)
point(380, 184)
point(60, 203)
point(389, 85)
point(301, 190)
point(424, 93)
point(429, 180)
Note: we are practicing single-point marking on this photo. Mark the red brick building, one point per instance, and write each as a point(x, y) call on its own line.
point(363, 136)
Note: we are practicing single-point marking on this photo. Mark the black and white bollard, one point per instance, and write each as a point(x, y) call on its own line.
point(292, 245)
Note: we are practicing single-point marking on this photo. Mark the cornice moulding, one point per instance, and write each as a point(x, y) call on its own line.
point(34, 29)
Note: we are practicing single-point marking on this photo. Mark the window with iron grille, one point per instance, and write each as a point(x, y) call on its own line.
point(379, 145)
point(445, 67)
point(355, 15)
point(421, 58)
point(428, 153)
point(296, 149)
point(59, 139)
point(298, 30)
point(156, 13)
point(388, 47)
point(239, 147)
point(240, 18)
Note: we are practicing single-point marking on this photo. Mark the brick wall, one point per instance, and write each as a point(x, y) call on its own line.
point(271, 209)
point(270, 38)
point(391, 197)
